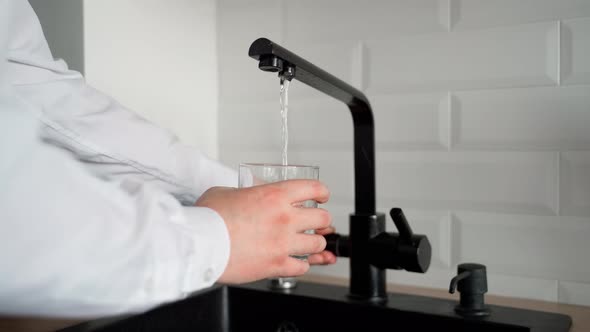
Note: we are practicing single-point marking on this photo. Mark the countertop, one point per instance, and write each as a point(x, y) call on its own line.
point(580, 314)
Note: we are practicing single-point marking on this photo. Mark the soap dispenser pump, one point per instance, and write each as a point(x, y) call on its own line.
point(471, 282)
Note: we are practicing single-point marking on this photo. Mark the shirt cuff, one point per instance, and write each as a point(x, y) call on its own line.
point(211, 248)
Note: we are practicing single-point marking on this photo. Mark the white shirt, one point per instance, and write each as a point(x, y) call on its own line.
point(95, 202)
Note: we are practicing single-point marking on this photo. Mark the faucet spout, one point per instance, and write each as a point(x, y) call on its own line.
point(274, 58)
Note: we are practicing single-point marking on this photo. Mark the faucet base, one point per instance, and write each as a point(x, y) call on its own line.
point(282, 283)
point(367, 282)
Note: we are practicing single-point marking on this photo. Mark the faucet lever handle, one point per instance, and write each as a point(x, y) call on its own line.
point(401, 223)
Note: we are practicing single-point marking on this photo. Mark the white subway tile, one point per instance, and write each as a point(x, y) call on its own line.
point(528, 118)
point(401, 122)
point(574, 293)
point(490, 58)
point(487, 181)
point(412, 121)
point(575, 183)
point(468, 14)
point(475, 181)
point(320, 124)
point(522, 287)
point(315, 124)
point(575, 51)
point(356, 20)
point(510, 182)
point(524, 245)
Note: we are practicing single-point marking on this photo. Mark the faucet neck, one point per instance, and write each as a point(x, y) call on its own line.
point(364, 157)
point(274, 58)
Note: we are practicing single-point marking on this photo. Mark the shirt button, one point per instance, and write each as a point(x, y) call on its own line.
point(208, 275)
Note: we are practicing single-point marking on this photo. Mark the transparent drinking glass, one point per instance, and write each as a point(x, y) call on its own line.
point(252, 174)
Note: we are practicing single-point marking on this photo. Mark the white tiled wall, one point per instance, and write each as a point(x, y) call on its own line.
point(482, 116)
point(575, 51)
point(575, 183)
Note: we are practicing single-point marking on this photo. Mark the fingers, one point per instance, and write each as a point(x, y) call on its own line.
point(325, 231)
point(323, 258)
point(304, 244)
point(303, 190)
point(312, 218)
point(293, 267)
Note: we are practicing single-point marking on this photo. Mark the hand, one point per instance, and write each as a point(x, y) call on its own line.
point(325, 257)
point(265, 227)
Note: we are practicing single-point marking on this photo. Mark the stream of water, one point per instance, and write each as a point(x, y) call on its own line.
point(284, 102)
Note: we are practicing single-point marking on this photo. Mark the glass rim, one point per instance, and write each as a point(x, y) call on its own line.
point(278, 165)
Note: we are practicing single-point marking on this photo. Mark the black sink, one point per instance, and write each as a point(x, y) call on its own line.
point(318, 307)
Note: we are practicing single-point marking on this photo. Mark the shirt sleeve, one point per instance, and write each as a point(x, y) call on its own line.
point(112, 141)
point(76, 245)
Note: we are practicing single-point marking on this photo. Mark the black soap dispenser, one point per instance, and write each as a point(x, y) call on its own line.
point(471, 282)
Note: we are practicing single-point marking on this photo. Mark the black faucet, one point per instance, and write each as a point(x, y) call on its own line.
point(371, 250)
